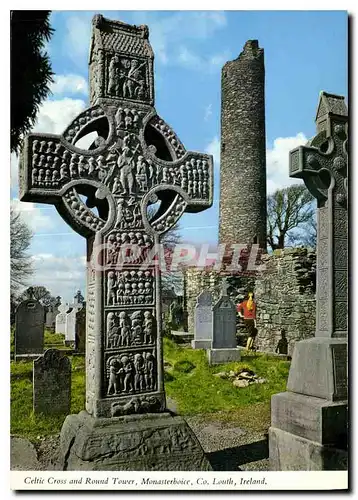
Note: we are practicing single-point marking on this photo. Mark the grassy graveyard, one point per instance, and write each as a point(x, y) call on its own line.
point(192, 383)
point(189, 381)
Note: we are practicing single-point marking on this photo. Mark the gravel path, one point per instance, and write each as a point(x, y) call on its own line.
point(230, 447)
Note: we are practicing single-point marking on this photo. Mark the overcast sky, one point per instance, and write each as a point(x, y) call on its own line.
point(305, 52)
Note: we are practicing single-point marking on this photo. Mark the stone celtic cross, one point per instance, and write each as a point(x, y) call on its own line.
point(309, 422)
point(322, 164)
point(103, 193)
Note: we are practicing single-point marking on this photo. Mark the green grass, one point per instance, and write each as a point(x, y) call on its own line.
point(53, 338)
point(199, 392)
point(189, 381)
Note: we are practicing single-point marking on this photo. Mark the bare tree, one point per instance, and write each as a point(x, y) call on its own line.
point(290, 213)
point(306, 235)
point(20, 261)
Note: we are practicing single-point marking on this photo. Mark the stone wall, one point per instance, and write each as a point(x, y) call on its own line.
point(285, 297)
point(284, 292)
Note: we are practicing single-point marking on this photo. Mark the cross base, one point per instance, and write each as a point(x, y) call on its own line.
point(319, 368)
point(135, 442)
point(289, 452)
point(309, 422)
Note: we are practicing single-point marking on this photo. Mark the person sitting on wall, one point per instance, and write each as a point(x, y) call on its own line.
point(247, 311)
point(282, 346)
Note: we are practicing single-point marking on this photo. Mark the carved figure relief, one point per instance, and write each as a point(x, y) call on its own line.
point(127, 78)
point(125, 170)
point(118, 252)
point(140, 404)
point(129, 119)
point(128, 214)
point(129, 329)
point(62, 166)
point(194, 178)
point(130, 373)
point(130, 287)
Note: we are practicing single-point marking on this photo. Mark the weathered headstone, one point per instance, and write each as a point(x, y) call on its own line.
point(29, 329)
point(70, 320)
point(61, 318)
point(80, 330)
point(224, 345)
point(203, 321)
point(136, 160)
point(52, 383)
point(309, 422)
point(50, 321)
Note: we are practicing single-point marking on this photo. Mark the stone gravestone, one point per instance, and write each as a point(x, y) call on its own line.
point(135, 161)
point(50, 321)
point(61, 318)
point(29, 329)
point(70, 320)
point(80, 330)
point(309, 422)
point(70, 325)
point(52, 383)
point(203, 318)
point(78, 298)
point(224, 345)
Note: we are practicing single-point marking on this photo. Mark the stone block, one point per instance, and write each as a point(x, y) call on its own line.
point(324, 371)
point(201, 344)
point(133, 442)
point(220, 356)
point(312, 418)
point(289, 452)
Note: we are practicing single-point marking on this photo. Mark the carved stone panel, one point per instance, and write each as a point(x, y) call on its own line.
point(131, 372)
point(130, 287)
point(129, 328)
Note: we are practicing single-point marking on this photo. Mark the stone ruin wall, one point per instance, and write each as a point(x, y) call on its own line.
point(285, 296)
point(284, 292)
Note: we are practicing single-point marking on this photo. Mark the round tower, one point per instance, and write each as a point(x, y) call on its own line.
point(243, 149)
